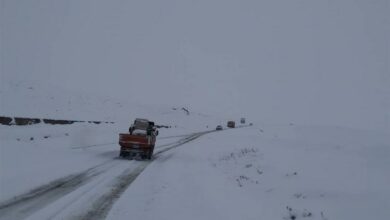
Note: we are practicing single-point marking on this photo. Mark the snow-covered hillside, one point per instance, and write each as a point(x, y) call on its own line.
point(35, 99)
point(307, 62)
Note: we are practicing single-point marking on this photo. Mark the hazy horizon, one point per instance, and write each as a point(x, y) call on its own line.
point(317, 62)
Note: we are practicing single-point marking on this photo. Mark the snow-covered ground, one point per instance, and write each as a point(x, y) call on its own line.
point(266, 172)
point(262, 171)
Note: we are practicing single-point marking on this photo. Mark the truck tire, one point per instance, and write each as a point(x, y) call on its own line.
point(149, 155)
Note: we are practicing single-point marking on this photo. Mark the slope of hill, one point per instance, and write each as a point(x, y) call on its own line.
point(309, 62)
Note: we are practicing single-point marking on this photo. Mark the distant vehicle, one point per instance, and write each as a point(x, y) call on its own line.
point(242, 121)
point(231, 124)
point(218, 128)
point(140, 141)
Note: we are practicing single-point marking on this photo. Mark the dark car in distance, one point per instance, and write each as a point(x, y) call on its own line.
point(218, 128)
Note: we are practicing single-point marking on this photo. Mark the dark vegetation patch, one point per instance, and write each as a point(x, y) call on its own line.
point(21, 121)
point(57, 122)
point(27, 121)
point(5, 120)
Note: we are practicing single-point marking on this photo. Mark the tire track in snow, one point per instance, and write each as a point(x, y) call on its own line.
point(182, 141)
point(103, 205)
point(23, 205)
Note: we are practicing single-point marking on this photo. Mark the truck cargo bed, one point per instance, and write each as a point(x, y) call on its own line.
point(132, 146)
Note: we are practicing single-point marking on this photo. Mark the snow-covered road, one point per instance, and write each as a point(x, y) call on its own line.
point(88, 194)
point(63, 197)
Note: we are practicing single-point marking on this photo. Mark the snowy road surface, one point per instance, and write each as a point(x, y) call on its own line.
point(85, 195)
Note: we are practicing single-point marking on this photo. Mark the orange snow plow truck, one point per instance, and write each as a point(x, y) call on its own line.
point(139, 142)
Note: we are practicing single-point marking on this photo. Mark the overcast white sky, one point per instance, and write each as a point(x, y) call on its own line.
point(302, 61)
